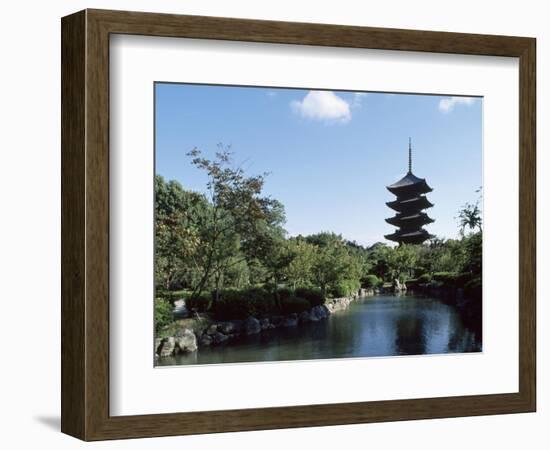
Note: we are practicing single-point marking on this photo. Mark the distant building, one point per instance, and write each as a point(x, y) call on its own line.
point(409, 206)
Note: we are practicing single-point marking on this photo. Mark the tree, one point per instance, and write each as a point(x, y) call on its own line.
point(334, 265)
point(177, 237)
point(470, 216)
point(473, 246)
point(401, 261)
point(377, 255)
point(240, 223)
point(302, 257)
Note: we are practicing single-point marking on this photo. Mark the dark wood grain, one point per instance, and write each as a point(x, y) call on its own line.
point(85, 224)
point(73, 226)
point(527, 224)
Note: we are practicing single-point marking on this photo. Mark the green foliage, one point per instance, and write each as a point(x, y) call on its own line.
point(294, 304)
point(371, 281)
point(401, 262)
point(163, 314)
point(232, 238)
point(452, 279)
point(240, 304)
point(177, 234)
point(424, 278)
point(208, 242)
point(470, 216)
point(314, 296)
point(344, 288)
point(336, 265)
point(377, 256)
point(473, 246)
point(301, 258)
point(283, 293)
point(199, 303)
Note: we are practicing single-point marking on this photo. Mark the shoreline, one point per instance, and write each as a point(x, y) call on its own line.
point(199, 332)
point(204, 332)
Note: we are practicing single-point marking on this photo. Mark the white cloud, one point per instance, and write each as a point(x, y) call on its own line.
point(447, 104)
point(323, 105)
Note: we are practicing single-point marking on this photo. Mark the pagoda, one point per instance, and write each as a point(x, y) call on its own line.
point(409, 205)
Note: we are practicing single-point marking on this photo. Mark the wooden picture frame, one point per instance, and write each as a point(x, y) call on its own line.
point(85, 224)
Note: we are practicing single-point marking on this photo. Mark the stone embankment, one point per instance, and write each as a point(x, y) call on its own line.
point(220, 332)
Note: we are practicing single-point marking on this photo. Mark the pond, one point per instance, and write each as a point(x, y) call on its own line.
point(383, 325)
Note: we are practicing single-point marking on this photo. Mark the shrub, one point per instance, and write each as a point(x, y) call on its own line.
point(447, 278)
point(294, 304)
point(239, 304)
point(453, 279)
point(371, 281)
point(425, 278)
point(231, 305)
point(163, 314)
point(199, 303)
point(344, 288)
point(313, 295)
point(260, 301)
point(283, 293)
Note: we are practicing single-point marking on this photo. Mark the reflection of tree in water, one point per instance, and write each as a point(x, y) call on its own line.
point(469, 339)
point(464, 342)
point(411, 336)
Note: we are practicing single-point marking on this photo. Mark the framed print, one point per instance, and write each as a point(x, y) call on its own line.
point(266, 224)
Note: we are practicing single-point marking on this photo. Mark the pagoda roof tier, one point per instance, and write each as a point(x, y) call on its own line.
point(413, 204)
point(413, 237)
point(409, 220)
point(409, 184)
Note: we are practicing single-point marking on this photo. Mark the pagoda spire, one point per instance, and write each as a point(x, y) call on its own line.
point(410, 156)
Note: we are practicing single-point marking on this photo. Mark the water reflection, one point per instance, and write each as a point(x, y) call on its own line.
point(375, 326)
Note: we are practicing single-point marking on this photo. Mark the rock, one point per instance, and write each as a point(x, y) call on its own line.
point(304, 316)
point(167, 347)
point(252, 326)
point(277, 321)
point(230, 327)
point(290, 321)
point(218, 338)
point(186, 340)
point(265, 324)
point(366, 292)
point(212, 329)
point(320, 312)
point(313, 316)
point(158, 343)
point(398, 286)
point(338, 304)
point(206, 340)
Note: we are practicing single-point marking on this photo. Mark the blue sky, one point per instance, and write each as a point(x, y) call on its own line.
point(330, 154)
